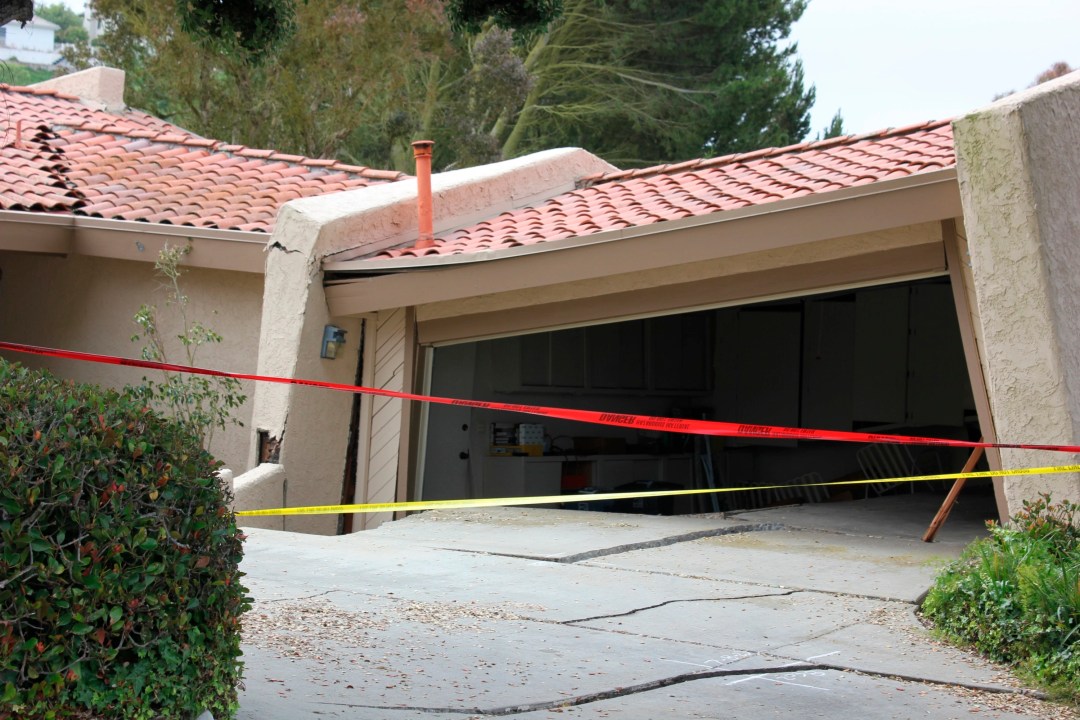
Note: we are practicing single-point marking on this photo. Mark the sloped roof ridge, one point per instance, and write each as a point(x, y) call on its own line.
point(62, 154)
point(185, 138)
point(702, 163)
point(39, 91)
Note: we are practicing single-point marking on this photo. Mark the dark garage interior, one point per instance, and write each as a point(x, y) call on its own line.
point(883, 359)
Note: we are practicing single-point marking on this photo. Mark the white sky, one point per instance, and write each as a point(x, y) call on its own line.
point(888, 63)
point(892, 63)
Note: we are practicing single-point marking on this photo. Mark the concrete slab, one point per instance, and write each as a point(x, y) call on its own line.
point(892, 516)
point(454, 663)
point(888, 568)
point(524, 612)
point(551, 534)
point(794, 696)
point(286, 565)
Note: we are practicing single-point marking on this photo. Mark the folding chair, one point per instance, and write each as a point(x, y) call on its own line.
point(885, 460)
point(810, 494)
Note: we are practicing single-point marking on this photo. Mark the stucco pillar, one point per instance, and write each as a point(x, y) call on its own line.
point(310, 425)
point(1018, 163)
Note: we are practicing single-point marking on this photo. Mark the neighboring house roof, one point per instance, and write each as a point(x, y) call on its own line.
point(59, 155)
point(633, 198)
point(36, 22)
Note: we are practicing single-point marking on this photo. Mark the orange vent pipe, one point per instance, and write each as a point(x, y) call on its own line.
point(422, 153)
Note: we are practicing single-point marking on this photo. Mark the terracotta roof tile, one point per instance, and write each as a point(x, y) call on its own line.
point(58, 155)
point(630, 198)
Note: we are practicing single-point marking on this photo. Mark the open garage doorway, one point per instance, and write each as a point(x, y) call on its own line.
point(883, 359)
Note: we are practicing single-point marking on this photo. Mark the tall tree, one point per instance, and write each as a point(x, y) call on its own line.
point(21, 11)
point(524, 15)
point(328, 89)
point(835, 128)
point(646, 81)
point(635, 81)
point(71, 27)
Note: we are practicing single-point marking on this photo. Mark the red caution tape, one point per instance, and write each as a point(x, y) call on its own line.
point(639, 422)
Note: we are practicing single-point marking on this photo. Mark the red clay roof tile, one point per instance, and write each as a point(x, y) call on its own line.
point(59, 155)
point(629, 198)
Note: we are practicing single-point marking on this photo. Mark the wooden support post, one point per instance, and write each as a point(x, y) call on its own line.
point(950, 499)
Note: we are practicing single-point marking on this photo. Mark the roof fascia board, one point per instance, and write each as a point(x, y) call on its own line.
point(849, 273)
point(36, 233)
point(129, 240)
point(374, 266)
point(725, 236)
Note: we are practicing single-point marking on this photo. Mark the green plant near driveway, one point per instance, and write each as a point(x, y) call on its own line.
point(1016, 596)
point(119, 583)
point(201, 402)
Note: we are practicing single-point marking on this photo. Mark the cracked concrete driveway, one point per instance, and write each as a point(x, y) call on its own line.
point(532, 613)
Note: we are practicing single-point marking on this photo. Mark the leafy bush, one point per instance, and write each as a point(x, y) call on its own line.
point(118, 559)
point(1016, 595)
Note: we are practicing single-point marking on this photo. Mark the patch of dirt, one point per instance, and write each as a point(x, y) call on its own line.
point(301, 628)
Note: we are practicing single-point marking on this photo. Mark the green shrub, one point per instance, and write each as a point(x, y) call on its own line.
point(1016, 596)
point(119, 586)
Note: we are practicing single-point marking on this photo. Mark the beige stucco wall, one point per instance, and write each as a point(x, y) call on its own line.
point(101, 86)
point(85, 303)
point(313, 424)
point(260, 488)
point(1019, 172)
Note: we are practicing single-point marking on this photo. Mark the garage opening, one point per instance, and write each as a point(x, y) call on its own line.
point(886, 359)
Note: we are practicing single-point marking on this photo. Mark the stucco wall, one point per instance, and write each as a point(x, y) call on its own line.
point(313, 425)
point(85, 303)
point(1019, 172)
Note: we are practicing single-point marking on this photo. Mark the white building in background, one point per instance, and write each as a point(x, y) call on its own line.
point(34, 44)
point(92, 24)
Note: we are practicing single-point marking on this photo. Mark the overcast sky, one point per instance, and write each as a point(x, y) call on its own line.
point(888, 63)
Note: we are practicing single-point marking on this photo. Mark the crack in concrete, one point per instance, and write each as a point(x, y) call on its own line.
point(798, 666)
point(304, 597)
point(672, 602)
point(596, 696)
point(837, 593)
point(630, 547)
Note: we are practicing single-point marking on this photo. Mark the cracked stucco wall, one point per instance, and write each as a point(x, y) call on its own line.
point(1019, 171)
point(313, 424)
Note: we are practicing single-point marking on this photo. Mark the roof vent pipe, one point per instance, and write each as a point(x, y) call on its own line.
point(422, 153)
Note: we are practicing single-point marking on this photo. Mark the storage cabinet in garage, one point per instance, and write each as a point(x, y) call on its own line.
point(521, 476)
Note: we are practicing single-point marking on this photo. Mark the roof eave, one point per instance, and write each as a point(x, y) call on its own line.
point(928, 197)
point(361, 267)
point(67, 234)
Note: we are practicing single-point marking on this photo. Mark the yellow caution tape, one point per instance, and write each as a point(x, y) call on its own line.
point(594, 497)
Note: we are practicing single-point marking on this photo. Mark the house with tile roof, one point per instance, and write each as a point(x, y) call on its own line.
point(917, 280)
point(90, 191)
